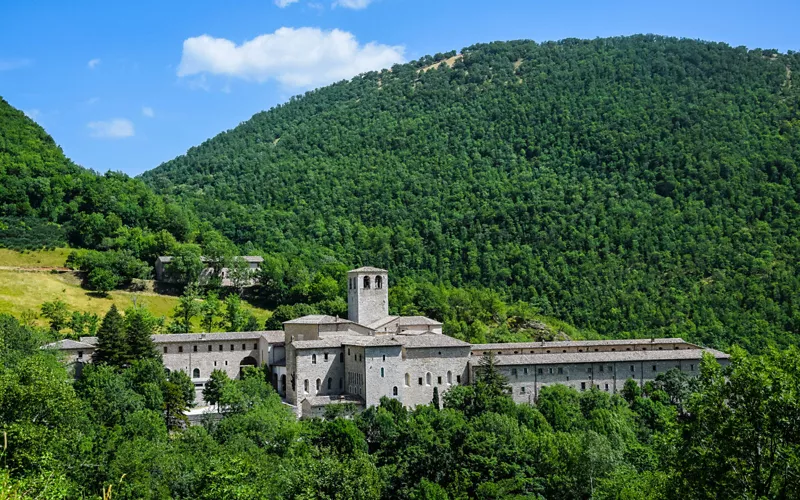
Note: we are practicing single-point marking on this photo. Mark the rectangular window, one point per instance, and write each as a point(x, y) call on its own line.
point(589, 370)
point(633, 368)
point(525, 371)
point(80, 354)
point(655, 368)
point(583, 386)
point(522, 390)
point(165, 349)
point(420, 381)
point(601, 368)
point(550, 371)
point(691, 367)
point(180, 348)
point(220, 347)
point(540, 371)
point(382, 372)
point(215, 363)
point(194, 348)
point(231, 347)
point(439, 380)
point(244, 347)
point(255, 346)
point(560, 370)
point(326, 356)
point(514, 372)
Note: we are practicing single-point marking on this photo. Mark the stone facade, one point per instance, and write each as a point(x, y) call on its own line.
point(322, 360)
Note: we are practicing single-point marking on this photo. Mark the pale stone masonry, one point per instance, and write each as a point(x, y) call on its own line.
point(320, 360)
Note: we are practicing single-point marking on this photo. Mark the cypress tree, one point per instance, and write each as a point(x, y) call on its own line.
point(435, 401)
point(111, 343)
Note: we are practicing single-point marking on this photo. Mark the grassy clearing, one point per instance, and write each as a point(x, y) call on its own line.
point(34, 258)
point(26, 291)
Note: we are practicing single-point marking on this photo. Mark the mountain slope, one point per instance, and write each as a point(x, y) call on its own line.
point(640, 185)
point(47, 200)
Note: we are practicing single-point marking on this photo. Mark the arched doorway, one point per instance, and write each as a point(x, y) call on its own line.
point(248, 361)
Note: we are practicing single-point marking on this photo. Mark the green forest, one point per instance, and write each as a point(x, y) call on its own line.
point(632, 186)
point(117, 433)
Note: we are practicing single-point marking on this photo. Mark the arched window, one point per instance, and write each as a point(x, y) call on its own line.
point(313, 359)
point(428, 378)
point(366, 282)
point(394, 391)
point(319, 384)
point(382, 373)
point(408, 379)
point(305, 385)
point(378, 282)
point(449, 377)
point(196, 373)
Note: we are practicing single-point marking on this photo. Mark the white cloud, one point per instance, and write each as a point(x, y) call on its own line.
point(352, 4)
point(92, 64)
point(301, 57)
point(116, 128)
point(33, 114)
point(9, 64)
point(285, 3)
point(148, 112)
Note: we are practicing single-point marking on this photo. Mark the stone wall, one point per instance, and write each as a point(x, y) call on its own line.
point(312, 366)
point(431, 366)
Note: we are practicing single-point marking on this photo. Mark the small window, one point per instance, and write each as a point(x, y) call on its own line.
point(525, 371)
point(394, 391)
point(514, 372)
point(540, 371)
point(196, 373)
point(348, 351)
point(226, 363)
point(220, 348)
point(633, 368)
point(655, 368)
point(644, 348)
point(313, 359)
point(601, 368)
point(255, 345)
point(382, 373)
point(231, 347)
point(384, 357)
point(319, 384)
point(80, 354)
point(408, 379)
point(330, 383)
point(366, 282)
point(209, 348)
point(180, 348)
point(583, 386)
point(378, 282)
point(194, 348)
point(439, 380)
point(420, 381)
point(550, 371)
point(589, 370)
point(522, 390)
point(458, 379)
point(305, 385)
point(428, 378)
point(606, 387)
point(691, 367)
point(449, 377)
point(560, 370)
point(548, 351)
point(326, 356)
point(215, 363)
point(613, 348)
point(165, 349)
point(341, 357)
point(244, 347)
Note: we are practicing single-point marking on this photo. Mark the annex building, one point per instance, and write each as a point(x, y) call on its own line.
point(320, 360)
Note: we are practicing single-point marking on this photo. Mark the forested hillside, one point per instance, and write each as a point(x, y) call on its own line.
point(635, 186)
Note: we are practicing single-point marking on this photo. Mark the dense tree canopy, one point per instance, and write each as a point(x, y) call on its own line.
point(640, 185)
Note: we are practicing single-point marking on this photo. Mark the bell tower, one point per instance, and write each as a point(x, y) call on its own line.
point(367, 295)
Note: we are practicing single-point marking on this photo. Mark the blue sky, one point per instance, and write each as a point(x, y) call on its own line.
point(128, 85)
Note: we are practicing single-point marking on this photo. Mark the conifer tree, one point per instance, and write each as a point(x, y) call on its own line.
point(435, 401)
point(111, 343)
point(139, 328)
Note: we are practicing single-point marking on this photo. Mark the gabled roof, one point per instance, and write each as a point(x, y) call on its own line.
point(429, 340)
point(317, 319)
point(580, 343)
point(66, 344)
point(271, 336)
point(367, 269)
point(376, 341)
point(247, 258)
point(325, 342)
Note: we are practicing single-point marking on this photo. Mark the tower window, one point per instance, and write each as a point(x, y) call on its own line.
point(313, 359)
point(394, 391)
point(366, 282)
point(378, 282)
point(196, 373)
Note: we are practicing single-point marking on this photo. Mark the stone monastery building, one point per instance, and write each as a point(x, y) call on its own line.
point(320, 360)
